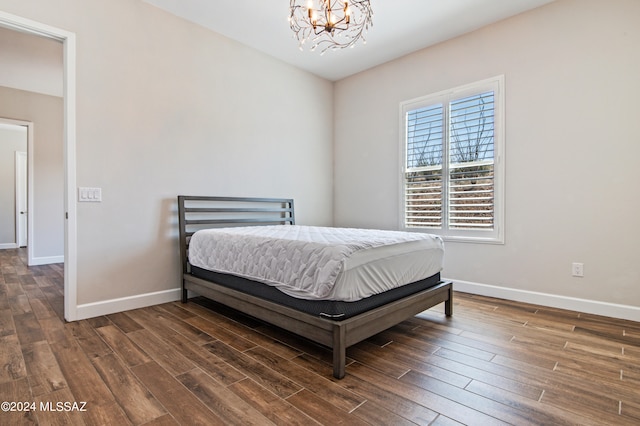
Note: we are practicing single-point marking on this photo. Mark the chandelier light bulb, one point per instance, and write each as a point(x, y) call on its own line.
point(330, 24)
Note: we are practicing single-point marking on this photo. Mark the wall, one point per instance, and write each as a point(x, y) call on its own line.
point(30, 63)
point(571, 70)
point(12, 139)
point(46, 114)
point(165, 107)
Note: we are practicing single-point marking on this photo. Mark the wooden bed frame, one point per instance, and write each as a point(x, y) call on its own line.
point(198, 212)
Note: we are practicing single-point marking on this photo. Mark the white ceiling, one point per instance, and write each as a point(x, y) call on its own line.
point(399, 27)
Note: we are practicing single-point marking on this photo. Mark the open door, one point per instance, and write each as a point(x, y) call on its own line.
point(21, 199)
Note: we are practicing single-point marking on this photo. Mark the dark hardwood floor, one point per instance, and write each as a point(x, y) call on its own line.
point(493, 362)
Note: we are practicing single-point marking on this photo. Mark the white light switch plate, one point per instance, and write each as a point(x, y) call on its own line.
point(91, 195)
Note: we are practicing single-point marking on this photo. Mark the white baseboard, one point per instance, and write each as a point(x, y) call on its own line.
point(8, 246)
point(106, 307)
point(552, 300)
point(90, 310)
point(48, 260)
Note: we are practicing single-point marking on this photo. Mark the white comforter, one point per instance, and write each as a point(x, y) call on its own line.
point(306, 262)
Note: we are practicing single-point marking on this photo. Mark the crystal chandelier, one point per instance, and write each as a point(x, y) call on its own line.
point(330, 24)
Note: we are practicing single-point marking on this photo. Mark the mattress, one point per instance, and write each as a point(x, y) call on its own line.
point(319, 263)
point(331, 309)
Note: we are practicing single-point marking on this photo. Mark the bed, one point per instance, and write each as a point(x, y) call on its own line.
point(333, 319)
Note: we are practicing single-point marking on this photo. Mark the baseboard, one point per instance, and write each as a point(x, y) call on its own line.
point(8, 246)
point(632, 313)
point(552, 300)
point(106, 307)
point(48, 260)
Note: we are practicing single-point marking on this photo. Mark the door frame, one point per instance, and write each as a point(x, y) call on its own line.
point(68, 40)
point(29, 134)
point(30, 192)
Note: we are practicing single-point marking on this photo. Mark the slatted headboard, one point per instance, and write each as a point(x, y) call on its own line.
point(200, 212)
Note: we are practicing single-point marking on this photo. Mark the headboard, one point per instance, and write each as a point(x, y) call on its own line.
point(201, 212)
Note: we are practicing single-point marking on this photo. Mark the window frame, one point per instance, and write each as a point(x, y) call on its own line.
point(445, 97)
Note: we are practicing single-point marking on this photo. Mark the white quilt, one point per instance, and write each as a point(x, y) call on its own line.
point(306, 261)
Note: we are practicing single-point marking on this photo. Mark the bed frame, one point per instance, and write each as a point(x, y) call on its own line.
point(198, 212)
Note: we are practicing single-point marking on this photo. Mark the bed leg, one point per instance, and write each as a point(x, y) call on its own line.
point(448, 304)
point(339, 351)
point(184, 294)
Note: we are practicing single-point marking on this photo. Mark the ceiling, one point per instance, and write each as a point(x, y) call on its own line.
point(399, 27)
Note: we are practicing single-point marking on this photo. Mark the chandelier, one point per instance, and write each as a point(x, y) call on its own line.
point(330, 24)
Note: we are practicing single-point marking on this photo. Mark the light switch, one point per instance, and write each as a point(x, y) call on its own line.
point(89, 194)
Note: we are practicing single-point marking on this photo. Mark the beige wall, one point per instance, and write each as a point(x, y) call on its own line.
point(165, 107)
point(572, 87)
point(12, 139)
point(30, 63)
point(46, 114)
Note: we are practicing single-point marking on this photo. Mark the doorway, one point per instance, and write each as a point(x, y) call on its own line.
point(67, 38)
point(13, 184)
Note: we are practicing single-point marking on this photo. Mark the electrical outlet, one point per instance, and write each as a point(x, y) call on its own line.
point(577, 269)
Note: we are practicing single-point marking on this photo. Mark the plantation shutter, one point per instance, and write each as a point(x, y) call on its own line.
point(471, 163)
point(449, 168)
point(423, 186)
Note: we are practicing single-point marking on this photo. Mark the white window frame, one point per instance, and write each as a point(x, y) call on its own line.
point(495, 84)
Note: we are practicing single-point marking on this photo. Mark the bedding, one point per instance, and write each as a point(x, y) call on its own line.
point(319, 263)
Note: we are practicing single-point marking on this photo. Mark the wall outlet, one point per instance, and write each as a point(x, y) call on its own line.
point(577, 269)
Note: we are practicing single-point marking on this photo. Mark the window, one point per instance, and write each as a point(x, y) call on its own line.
point(452, 171)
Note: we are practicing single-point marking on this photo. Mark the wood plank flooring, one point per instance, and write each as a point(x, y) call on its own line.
point(493, 362)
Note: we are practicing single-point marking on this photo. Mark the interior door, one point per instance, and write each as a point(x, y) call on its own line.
point(21, 199)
